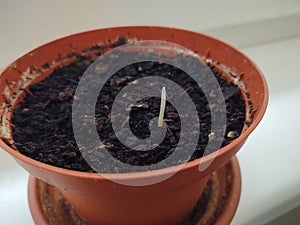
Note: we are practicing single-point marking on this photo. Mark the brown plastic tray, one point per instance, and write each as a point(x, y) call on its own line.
point(217, 205)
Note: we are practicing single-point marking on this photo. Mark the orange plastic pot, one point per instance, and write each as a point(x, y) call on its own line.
point(96, 198)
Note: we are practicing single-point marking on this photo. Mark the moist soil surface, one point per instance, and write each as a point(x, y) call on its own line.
point(42, 122)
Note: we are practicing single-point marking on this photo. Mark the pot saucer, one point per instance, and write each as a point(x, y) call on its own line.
point(217, 205)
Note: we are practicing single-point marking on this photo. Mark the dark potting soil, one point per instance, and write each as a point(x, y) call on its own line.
point(43, 121)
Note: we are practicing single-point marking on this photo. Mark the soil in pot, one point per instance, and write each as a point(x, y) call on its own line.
point(42, 123)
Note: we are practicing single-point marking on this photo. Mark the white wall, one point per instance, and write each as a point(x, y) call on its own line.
point(25, 25)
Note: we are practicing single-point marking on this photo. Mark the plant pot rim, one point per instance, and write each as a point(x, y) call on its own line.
point(152, 173)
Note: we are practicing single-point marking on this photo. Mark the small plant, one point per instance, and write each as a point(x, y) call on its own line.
point(162, 107)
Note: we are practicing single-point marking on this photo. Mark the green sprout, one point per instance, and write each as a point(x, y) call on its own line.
point(162, 107)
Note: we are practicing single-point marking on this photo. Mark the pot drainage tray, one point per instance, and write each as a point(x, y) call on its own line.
point(216, 205)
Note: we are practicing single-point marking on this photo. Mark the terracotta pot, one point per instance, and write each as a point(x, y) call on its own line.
point(217, 204)
point(97, 198)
